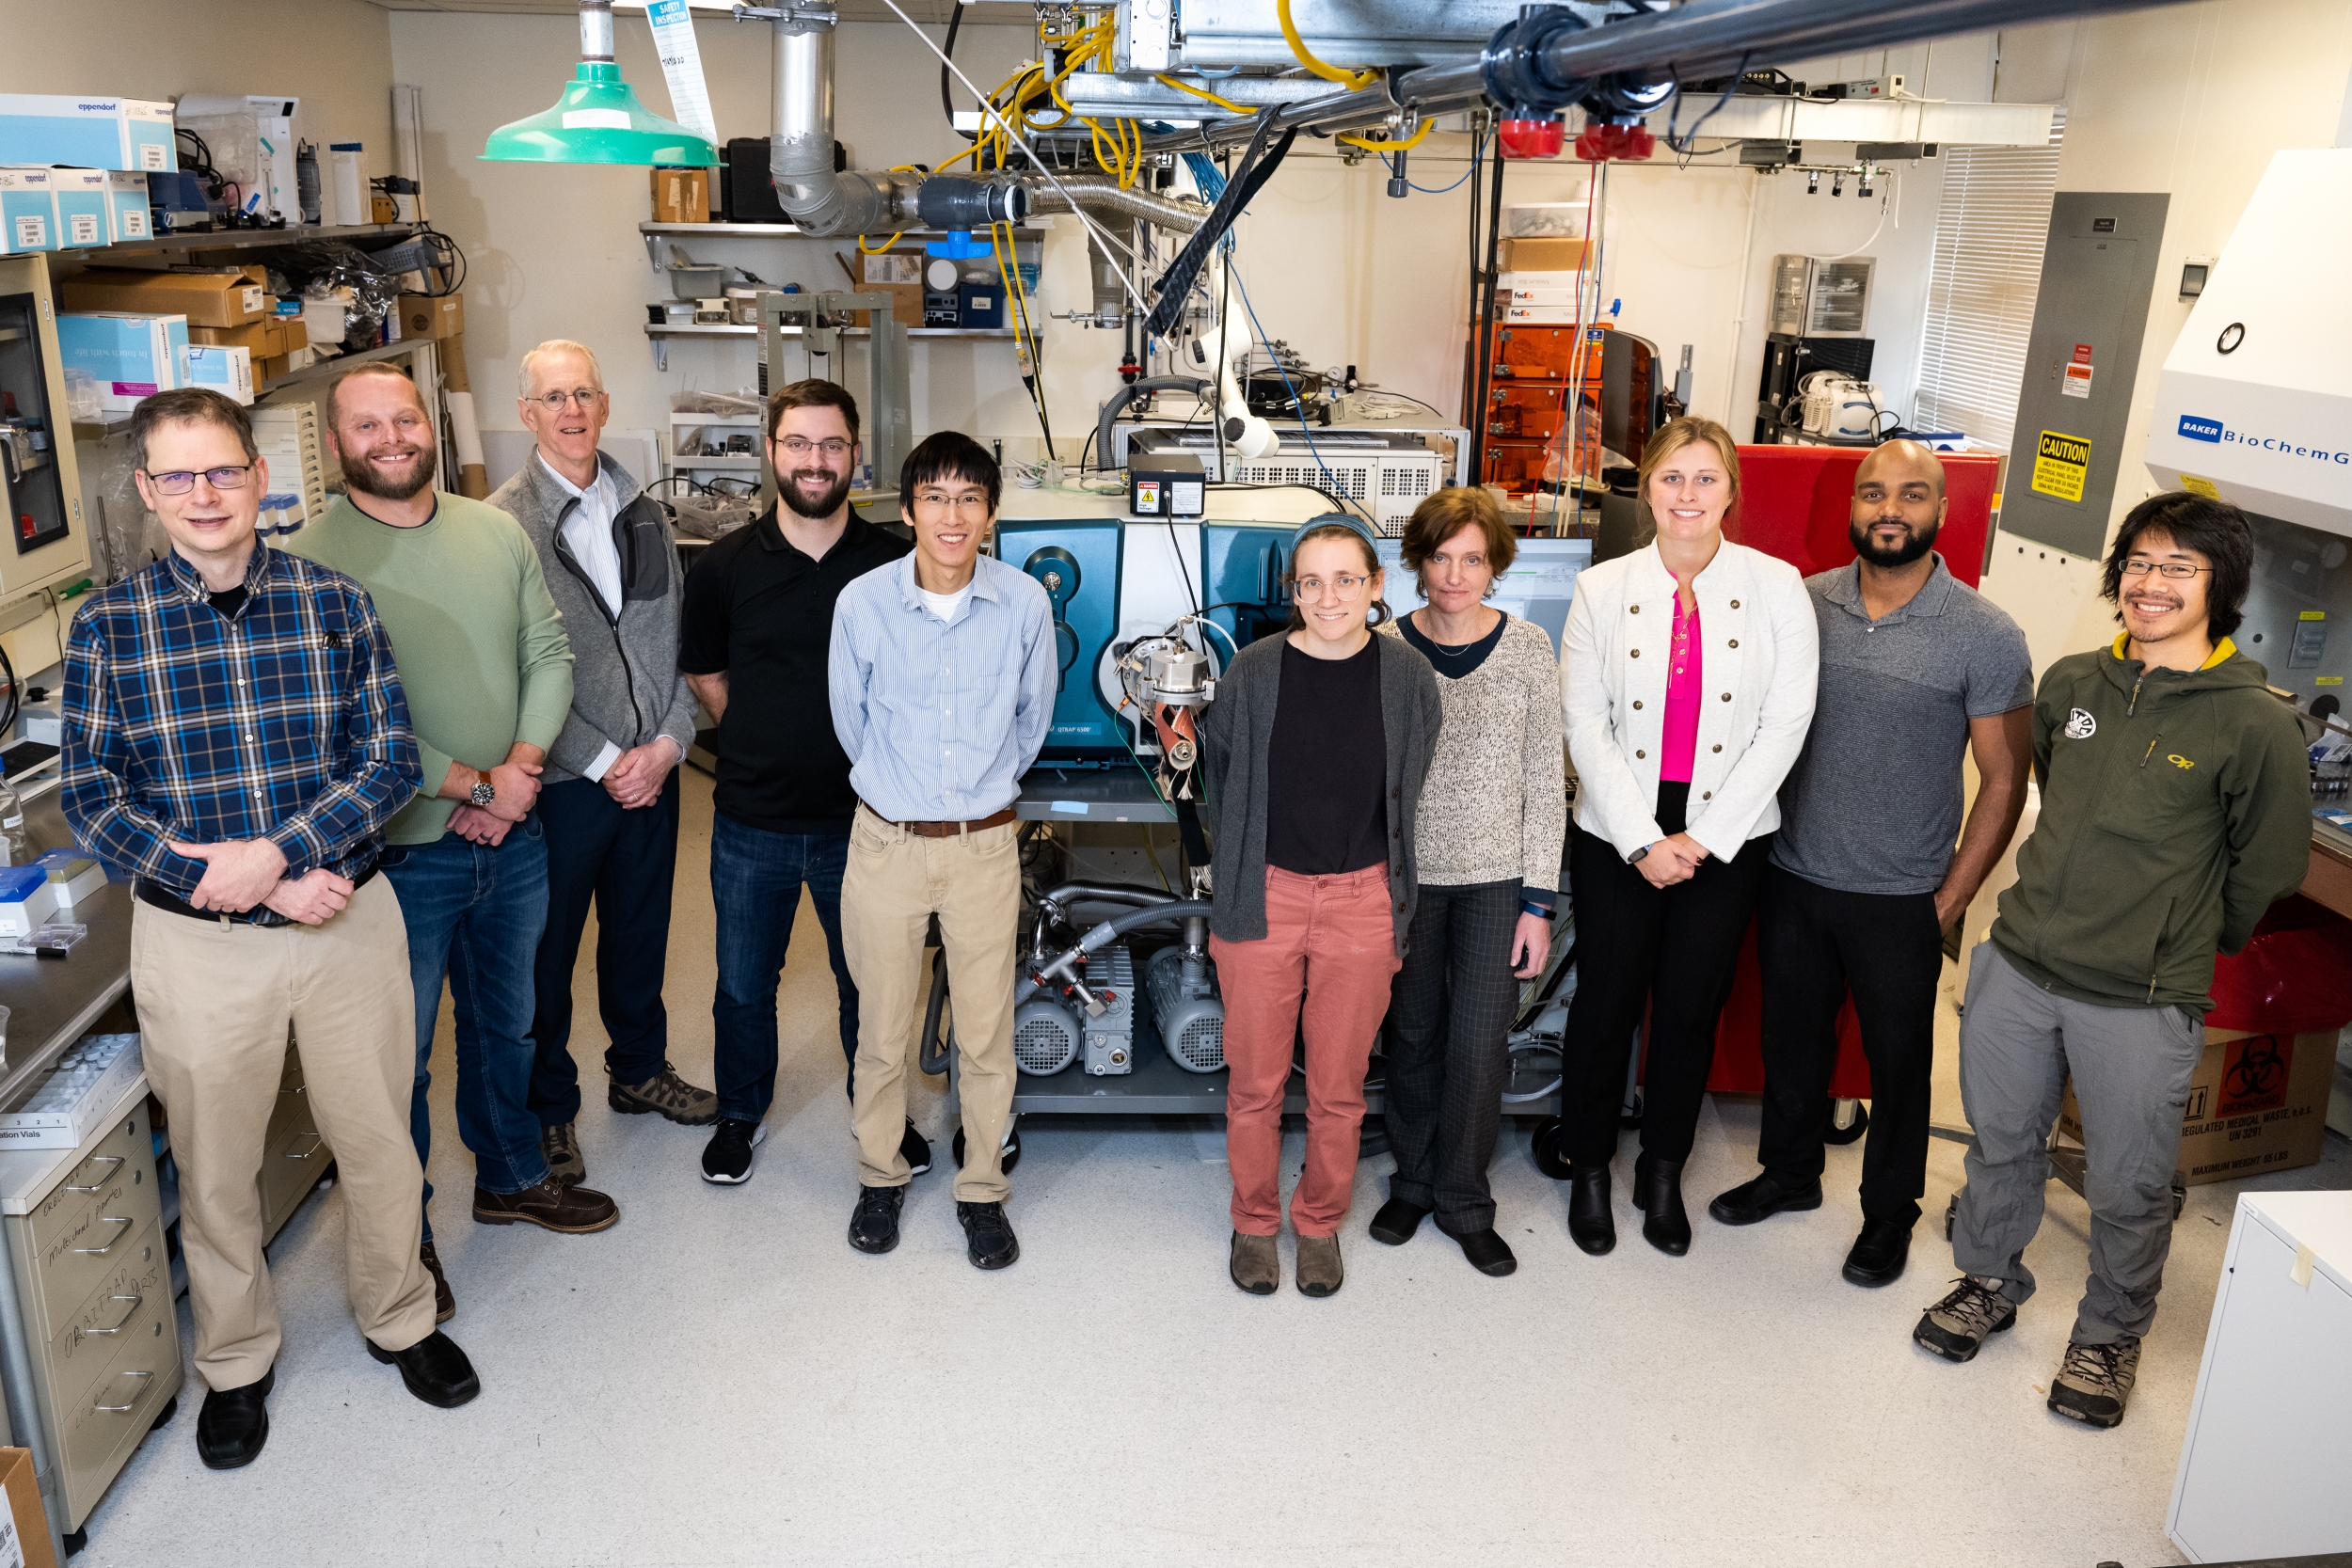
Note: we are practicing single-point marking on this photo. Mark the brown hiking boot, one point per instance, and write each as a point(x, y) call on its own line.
point(667, 1095)
point(1957, 1327)
point(1319, 1271)
point(550, 1205)
point(2094, 1382)
point(1256, 1265)
point(560, 1148)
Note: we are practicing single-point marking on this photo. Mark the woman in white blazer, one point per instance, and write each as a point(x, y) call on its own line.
point(1687, 677)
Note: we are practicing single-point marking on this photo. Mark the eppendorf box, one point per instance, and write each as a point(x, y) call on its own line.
point(2257, 1103)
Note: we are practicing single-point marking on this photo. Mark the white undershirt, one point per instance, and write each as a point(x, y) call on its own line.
point(588, 533)
point(944, 605)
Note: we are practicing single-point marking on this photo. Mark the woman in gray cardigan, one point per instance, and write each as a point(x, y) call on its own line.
point(1491, 829)
point(1315, 751)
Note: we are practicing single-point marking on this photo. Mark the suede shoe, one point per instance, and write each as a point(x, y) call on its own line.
point(234, 1423)
point(1489, 1253)
point(550, 1205)
point(1592, 1223)
point(988, 1235)
point(666, 1095)
point(435, 1371)
point(1658, 1192)
point(1257, 1264)
point(1761, 1198)
point(1395, 1225)
point(560, 1148)
point(2094, 1382)
point(1972, 1312)
point(1879, 1254)
point(1320, 1273)
point(444, 1303)
point(874, 1224)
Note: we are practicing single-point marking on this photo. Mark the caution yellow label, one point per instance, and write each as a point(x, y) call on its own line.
point(2204, 488)
point(2061, 463)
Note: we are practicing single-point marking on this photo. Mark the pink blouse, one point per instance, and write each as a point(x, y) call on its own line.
point(1683, 680)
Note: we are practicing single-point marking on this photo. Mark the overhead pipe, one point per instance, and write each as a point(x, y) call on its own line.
point(1104, 194)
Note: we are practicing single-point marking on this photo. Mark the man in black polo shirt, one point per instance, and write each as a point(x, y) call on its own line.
point(758, 621)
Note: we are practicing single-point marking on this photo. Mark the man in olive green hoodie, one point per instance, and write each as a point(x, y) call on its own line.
point(2174, 810)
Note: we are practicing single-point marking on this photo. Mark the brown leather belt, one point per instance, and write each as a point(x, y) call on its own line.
point(944, 830)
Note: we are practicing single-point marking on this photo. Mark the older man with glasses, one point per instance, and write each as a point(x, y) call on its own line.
point(608, 799)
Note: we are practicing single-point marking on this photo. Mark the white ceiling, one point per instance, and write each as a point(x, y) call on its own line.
point(852, 10)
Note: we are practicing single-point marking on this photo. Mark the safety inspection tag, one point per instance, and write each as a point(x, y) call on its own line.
point(2061, 463)
point(682, 64)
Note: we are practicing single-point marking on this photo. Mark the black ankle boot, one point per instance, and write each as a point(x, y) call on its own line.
point(1591, 1225)
point(1658, 1193)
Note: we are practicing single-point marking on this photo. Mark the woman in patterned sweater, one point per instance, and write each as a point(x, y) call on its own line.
point(1489, 839)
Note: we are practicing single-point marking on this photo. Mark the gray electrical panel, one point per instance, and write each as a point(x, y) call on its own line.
point(2098, 273)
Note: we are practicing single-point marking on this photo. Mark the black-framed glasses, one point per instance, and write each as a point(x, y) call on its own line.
point(181, 481)
point(833, 445)
point(2178, 571)
point(586, 397)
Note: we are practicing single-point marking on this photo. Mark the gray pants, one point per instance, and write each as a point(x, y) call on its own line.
point(2131, 1068)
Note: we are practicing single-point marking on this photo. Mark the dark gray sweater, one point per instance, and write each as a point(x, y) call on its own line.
point(1235, 734)
point(626, 686)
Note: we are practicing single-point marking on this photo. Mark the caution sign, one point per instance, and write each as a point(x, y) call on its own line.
point(2060, 465)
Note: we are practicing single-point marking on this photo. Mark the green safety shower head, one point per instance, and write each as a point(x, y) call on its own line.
point(598, 120)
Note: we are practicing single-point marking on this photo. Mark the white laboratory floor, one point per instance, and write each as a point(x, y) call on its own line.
point(719, 1379)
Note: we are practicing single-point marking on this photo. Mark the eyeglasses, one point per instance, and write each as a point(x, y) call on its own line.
point(1347, 585)
point(586, 397)
point(2178, 571)
point(180, 481)
point(936, 500)
point(833, 447)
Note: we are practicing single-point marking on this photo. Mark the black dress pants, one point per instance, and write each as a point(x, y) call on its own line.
point(1449, 1016)
point(1674, 948)
point(1814, 942)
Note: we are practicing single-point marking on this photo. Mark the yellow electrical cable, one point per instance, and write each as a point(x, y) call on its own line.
point(1353, 79)
point(1375, 146)
point(1203, 92)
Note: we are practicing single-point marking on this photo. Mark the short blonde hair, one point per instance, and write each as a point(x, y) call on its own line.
point(556, 345)
point(1687, 431)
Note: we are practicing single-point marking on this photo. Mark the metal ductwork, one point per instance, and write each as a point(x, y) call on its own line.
point(1102, 194)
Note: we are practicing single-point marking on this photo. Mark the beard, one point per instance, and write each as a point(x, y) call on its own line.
point(1918, 544)
point(824, 503)
point(360, 474)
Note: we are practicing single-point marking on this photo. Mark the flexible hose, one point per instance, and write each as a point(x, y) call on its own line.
point(1111, 930)
point(1134, 390)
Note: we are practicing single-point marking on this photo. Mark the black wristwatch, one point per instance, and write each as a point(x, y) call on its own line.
point(482, 793)
point(1629, 859)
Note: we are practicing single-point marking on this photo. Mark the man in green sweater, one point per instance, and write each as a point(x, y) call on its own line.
point(2175, 812)
point(483, 656)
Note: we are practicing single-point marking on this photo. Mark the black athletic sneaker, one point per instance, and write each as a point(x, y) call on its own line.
point(988, 1235)
point(727, 1160)
point(916, 1150)
point(874, 1224)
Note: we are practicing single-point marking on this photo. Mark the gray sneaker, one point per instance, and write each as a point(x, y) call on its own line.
point(560, 1144)
point(667, 1095)
point(1955, 1328)
point(2094, 1382)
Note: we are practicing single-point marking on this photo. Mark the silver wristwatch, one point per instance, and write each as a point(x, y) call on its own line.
point(482, 793)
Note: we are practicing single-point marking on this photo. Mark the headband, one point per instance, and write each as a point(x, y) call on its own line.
point(1339, 520)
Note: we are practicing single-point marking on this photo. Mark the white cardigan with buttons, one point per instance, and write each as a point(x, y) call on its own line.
point(1761, 661)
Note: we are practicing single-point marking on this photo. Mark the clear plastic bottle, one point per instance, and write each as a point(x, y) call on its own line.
point(12, 850)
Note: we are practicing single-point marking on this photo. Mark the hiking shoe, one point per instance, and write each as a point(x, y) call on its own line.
point(988, 1235)
point(1256, 1264)
point(561, 1146)
point(1955, 1327)
point(444, 1301)
point(874, 1224)
point(2094, 1382)
point(916, 1150)
point(666, 1095)
point(727, 1157)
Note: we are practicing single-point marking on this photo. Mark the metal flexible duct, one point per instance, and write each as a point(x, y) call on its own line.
point(1104, 194)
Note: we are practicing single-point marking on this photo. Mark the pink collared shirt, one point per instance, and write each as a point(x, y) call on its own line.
point(1680, 746)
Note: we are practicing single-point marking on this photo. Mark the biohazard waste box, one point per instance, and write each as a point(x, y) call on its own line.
point(2258, 1104)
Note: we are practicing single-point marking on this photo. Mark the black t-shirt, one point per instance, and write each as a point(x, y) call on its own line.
point(1453, 663)
point(761, 611)
point(1328, 766)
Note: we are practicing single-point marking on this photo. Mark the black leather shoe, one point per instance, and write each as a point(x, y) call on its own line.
point(1658, 1193)
point(1879, 1253)
point(1591, 1223)
point(874, 1224)
point(1766, 1195)
point(234, 1423)
point(435, 1371)
point(1489, 1253)
point(1395, 1225)
point(988, 1235)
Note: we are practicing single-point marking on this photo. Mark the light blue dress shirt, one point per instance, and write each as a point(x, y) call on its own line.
point(941, 719)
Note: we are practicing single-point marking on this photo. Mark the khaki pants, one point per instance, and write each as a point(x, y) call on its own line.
point(215, 1001)
point(895, 883)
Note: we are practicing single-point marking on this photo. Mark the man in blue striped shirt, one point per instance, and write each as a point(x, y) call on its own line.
point(235, 738)
point(941, 677)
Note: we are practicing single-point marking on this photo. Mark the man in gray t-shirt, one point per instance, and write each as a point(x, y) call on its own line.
point(1916, 668)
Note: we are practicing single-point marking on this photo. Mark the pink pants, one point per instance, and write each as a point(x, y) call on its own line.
point(1331, 942)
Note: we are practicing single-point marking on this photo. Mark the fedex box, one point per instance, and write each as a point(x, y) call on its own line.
point(126, 199)
point(226, 369)
point(85, 211)
point(39, 128)
point(130, 356)
point(28, 211)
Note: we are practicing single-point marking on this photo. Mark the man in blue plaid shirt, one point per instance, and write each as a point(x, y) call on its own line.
point(235, 738)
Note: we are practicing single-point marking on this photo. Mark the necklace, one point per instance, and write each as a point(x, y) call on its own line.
point(1456, 648)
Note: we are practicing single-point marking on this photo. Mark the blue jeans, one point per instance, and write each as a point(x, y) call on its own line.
point(475, 915)
point(755, 881)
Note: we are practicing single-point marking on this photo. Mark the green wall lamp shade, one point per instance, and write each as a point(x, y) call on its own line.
point(599, 120)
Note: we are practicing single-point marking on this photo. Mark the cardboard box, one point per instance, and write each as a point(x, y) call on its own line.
point(272, 337)
point(906, 301)
point(268, 370)
point(38, 128)
point(1542, 255)
point(1538, 315)
point(130, 355)
point(681, 196)
point(28, 211)
point(24, 1533)
point(894, 266)
point(431, 316)
point(206, 298)
point(85, 208)
point(226, 371)
point(126, 194)
point(2257, 1103)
